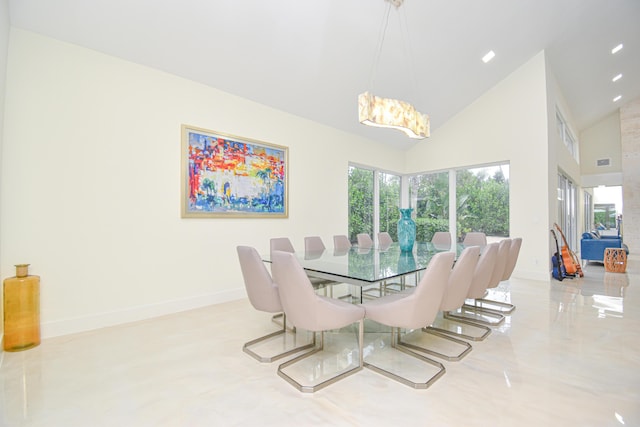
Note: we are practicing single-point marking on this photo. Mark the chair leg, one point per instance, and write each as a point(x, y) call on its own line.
point(277, 316)
point(312, 389)
point(479, 316)
point(433, 331)
point(487, 330)
point(503, 307)
point(422, 385)
point(247, 346)
point(499, 307)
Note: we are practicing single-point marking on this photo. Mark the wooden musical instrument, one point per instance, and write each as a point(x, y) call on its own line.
point(570, 259)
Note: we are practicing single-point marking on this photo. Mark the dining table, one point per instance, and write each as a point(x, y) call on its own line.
point(364, 267)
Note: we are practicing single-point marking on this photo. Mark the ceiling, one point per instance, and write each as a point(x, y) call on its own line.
point(312, 58)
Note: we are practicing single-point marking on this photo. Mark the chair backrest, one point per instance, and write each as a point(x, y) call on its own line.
point(296, 292)
point(421, 307)
point(281, 244)
point(441, 240)
point(313, 244)
point(501, 262)
point(475, 238)
point(261, 289)
point(384, 239)
point(484, 271)
point(514, 251)
point(305, 309)
point(364, 241)
point(460, 279)
point(341, 242)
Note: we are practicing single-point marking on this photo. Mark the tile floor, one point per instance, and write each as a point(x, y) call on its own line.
point(568, 356)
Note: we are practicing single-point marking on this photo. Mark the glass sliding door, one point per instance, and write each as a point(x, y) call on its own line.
point(567, 210)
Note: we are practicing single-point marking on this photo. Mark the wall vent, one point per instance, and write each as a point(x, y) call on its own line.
point(603, 162)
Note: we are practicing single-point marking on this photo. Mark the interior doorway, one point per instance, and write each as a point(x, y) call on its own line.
point(607, 209)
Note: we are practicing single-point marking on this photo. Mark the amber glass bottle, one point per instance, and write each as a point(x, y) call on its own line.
point(21, 310)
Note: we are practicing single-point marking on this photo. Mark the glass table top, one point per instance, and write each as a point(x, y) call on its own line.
point(367, 265)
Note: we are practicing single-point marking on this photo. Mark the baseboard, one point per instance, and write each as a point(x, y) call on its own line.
point(101, 320)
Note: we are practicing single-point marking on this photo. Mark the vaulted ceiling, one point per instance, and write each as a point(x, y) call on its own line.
point(312, 58)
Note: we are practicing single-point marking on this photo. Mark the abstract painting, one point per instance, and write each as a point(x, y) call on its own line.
point(230, 176)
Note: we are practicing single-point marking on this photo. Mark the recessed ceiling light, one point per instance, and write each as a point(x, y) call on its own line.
point(616, 78)
point(488, 57)
point(617, 98)
point(616, 49)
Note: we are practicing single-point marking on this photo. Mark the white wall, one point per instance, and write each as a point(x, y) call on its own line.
point(601, 141)
point(4, 44)
point(91, 185)
point(508, 123)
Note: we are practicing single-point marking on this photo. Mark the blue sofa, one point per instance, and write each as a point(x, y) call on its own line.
point(592, 246)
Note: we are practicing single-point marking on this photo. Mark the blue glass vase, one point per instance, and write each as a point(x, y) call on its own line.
point(406, 230)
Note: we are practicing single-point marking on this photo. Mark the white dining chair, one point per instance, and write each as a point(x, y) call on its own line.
point(364, 241)
point(441, 240)
point(313, 244)
point(413, 310)
point(285, 245)
point(514, 252)
point(474, 238)
point(309, 311)
point(502, 264)
point(454, 297)
point(384, 239)
point(478, 288)
point(341, 242)
point(263, 295)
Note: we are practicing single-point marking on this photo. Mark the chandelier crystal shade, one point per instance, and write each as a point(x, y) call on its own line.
point(394, 114)
point(388, 112)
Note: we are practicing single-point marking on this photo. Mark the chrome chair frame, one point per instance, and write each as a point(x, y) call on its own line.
point(312, 389)
point(263, 359)
point(397, 344)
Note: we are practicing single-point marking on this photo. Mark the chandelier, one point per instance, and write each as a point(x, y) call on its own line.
point(388, 112)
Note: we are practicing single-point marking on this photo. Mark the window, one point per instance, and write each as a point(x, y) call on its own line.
point(361, 195)
point(482, 201)
point(459, 201)
point(566, 136)
point(374, 199)
point(389, 202)
point(429, 196)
